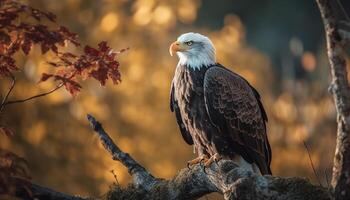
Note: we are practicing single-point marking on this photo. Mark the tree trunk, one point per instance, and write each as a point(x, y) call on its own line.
point(341, 93)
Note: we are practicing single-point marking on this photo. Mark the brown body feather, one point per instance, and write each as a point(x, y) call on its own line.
point(220, 112)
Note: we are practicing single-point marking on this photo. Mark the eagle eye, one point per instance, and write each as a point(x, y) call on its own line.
point(189, 43)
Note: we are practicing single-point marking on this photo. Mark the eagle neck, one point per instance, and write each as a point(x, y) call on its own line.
point(191, 78)
point(196, 62)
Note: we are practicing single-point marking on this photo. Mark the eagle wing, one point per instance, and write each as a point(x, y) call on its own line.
point(234, 107)
point(175, 108)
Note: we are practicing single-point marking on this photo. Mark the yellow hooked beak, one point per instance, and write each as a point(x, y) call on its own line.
point(175, 47)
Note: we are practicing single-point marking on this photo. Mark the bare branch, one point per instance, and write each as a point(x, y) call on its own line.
point(40, 192)
point(225, 177)
point(35, 96)
point(341, 94)
point(140, 175)
point(312, 163)
point(2, 106)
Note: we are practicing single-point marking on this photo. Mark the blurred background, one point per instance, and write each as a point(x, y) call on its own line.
point(278, 45)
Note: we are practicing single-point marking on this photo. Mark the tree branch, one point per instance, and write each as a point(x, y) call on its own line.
point(225, 177)
point(2, 106)
point(26, 190)
point(35, 96)
point(341, 94)
point(140, 175)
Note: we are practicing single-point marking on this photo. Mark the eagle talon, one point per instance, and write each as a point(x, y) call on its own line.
point(217, 162)
point(188, 166)
point(201, 160)
point(204, 169)
point(214, 158)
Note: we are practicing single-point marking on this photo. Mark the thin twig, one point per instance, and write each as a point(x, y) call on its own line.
point(35, 96)
point(3, 103)
point(42, 94)
point(327, 179)
point(115, 177)
point(312, 164)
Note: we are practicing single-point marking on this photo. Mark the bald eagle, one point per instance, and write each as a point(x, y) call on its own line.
point(217, 110)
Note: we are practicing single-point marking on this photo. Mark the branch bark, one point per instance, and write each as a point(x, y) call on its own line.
point(26, 190)
point(141, 177)
point(341, 94)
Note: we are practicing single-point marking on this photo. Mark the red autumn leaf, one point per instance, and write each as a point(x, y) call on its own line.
point(61, 74)
point(115, 76)
point(7, 131)
point(50, 16)
point(66, 61)
point(53, 64)
point(69, 55)
point(66, 31)
point(13, 47)
point(72, 87)
point(91, 51)
point(5, 38)
point(102, 46)
point(54, 48)
point(7, 65)
point(36, 14)
point(26, 46)
point(45, 77)
point(44, 48)
point(110, 56)
point(101, 74)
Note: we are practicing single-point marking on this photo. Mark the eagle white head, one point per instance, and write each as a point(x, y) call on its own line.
point(194, 50)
